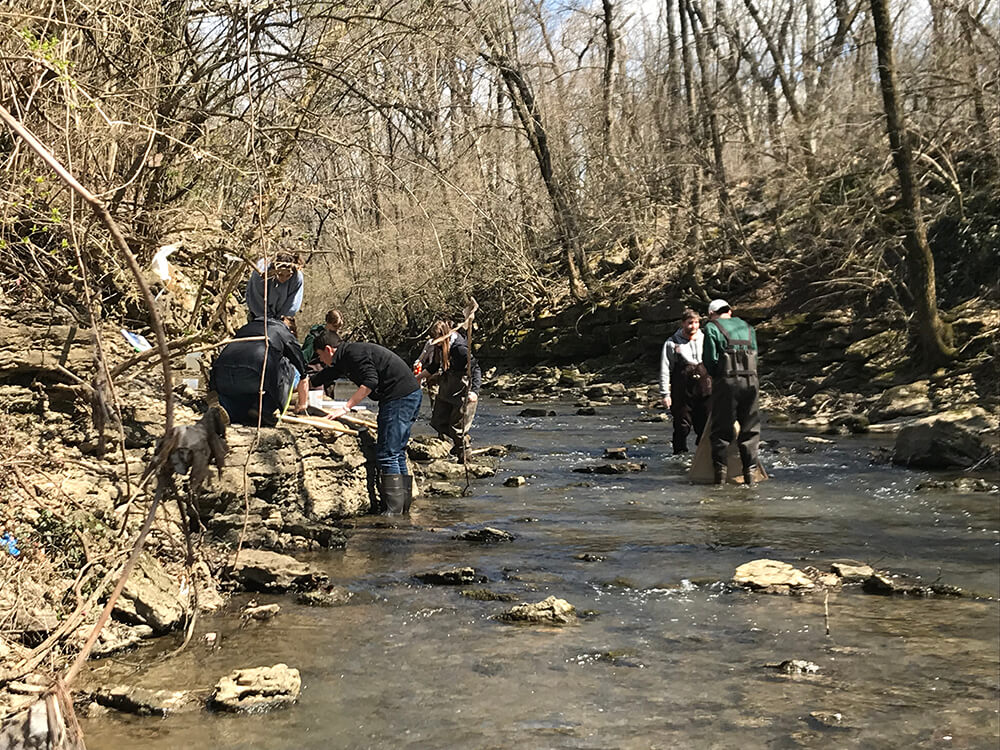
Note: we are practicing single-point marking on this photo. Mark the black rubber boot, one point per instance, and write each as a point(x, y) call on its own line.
point(407, 493)
point(748, 478)
point(720, 474)
point(393, 494)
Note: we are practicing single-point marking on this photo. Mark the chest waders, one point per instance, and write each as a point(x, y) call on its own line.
point(734, 399)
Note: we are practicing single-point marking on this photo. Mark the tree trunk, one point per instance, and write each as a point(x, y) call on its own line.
point(932, 333)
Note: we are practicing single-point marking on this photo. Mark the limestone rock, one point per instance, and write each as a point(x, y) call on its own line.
point(261, 612)
point(852, 572)
point(795, 666)
point(486, 534)
point(428, 448)
point(616, 454)
point(260, 570)
point(151, 597)
point(942, 440)
point(515, 481)
point(258, 689)
point(772, 576)
point(136, 700)
point(550, 611)
point(903, 401)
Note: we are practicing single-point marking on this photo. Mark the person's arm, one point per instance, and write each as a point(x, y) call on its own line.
point(255, 294)
point(293, 303)
point(665, 363)
point(302, 396)
point(356, 398)
point(713, 349)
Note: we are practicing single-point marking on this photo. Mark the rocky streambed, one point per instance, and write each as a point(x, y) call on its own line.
point(836, 603)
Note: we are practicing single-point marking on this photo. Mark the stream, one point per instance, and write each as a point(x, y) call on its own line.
point(669, 656)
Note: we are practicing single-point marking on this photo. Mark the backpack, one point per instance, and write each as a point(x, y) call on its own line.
point(308, 349)
point(739, 356)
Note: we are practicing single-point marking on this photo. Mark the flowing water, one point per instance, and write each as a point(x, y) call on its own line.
point(668, 657)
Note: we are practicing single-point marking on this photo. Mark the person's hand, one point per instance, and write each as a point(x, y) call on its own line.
point(337, 413)
point(301, 409)
point(473, 397)
point(666, 401)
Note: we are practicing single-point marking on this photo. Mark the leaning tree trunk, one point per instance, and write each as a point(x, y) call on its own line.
point(932, 334)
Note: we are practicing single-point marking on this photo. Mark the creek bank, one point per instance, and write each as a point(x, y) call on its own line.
point(831, 371)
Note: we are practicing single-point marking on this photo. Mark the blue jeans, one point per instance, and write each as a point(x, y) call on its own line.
point(395, 418)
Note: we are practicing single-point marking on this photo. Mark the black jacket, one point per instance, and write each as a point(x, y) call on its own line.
point(243, 360)
point(371, 365)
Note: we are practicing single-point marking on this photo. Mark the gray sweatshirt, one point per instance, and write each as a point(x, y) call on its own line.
point(678, 351)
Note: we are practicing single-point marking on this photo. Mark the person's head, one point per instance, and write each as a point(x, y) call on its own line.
point(334, 321)
point(719, 308)
point(284, 266)
point(439, 328)
point(690, 322)
point(326, 344)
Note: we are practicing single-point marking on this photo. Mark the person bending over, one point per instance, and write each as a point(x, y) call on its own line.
point(383, 377)
point(236, 373)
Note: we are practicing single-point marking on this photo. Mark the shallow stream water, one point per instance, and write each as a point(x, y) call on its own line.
point(669, 657)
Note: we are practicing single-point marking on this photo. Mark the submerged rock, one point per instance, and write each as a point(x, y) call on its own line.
point(332, 597)
point(772, 576)
point(625, 467)
point(962, 485)
point(795, 666)
point(550, 611)
point(253, 611)
point(450, 576)
point(517, 481)
point(257, 689)
point(616, 454)
point(260, 570)
point(486, 534)
point(485, 595)
point(533, 411)
point(887, 584)
point(136, 700)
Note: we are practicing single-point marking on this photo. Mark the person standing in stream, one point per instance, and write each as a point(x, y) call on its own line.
point(730, 357)
point(382, 376)
point(684, 382)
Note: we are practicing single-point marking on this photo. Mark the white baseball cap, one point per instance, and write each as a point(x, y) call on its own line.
point(717, 305)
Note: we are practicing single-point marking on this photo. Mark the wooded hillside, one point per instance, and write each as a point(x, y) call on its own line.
point(529, 153)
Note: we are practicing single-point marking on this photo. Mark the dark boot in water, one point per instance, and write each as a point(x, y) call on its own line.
point(407, 493)
point(748, 478)
point(393, 494)
point(720, 474)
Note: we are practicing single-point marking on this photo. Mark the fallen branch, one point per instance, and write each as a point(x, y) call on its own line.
point(323, 424)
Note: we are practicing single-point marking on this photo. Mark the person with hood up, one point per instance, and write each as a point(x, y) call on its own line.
point(684, 382)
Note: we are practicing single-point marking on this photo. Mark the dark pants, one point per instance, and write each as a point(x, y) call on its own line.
point(240, 395)
point(688, 411)
point(395, 419)
point(735, 400)
point(446, 418)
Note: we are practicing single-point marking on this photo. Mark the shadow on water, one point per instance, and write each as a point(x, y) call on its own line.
point(669, 656)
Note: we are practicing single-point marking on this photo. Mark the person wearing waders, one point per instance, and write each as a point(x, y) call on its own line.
point(684, 382)
point(458, 382)
point(730, 356)
point(384, 377)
